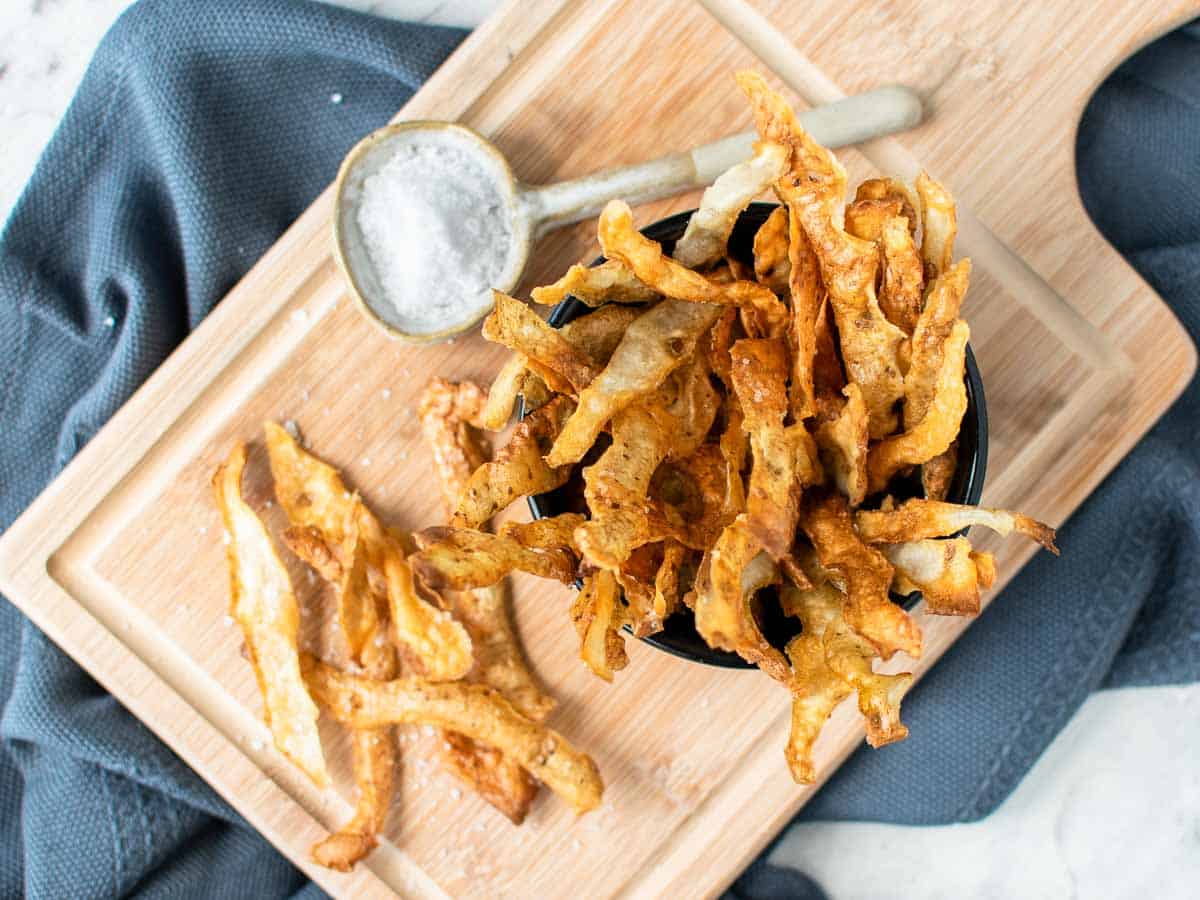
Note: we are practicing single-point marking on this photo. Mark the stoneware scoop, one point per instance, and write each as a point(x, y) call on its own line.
point(535, 210)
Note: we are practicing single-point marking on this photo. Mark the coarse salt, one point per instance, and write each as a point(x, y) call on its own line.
point(437, 233)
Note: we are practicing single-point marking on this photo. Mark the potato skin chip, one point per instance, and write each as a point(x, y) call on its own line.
point(722, 605)
point(461, 559)
point(474, 710)
point(866, 573)
point(616, 486)
point(784, 458)
point(374, 763)
point(849, 655)
point(829, 380)
point(596, 613)
point(813, 190)
point(446, 411)
point(771, 264)
point(519, 328)
point(609, 282)
point(689, 498)
point(519, 468)
point(892, 189)
point(946, 572)
point(938, 474)
point(499, 780)
point(866, 217)
point(808, 299)
point(667, 581)
point(597, 334)
point(708, 230)
point(317, 503)
point(902, 292)
point(918, 519)
point(933, 328)
point(937, 429)
point(843, 444)
point(939, 221)
point(654, 345)
point(499, 661)
point(620, 240)
point(439, 641)
point(263, 604)
point(551, 534)
point(502, 396)
point(816, 688)
point(636, 580)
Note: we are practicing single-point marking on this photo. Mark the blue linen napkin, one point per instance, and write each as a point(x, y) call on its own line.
point(193, 142)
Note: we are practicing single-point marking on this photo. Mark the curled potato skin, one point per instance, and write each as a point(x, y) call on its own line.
point(620, 240)
point(485, 612)
point(939, 426)
point(866, 573)
point(474, 710)
point(263, 604)
point(518, 470)
point(374, 760)
point(918, 519)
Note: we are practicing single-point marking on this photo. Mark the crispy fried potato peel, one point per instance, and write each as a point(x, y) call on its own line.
point(374, 762)
point(263, 604)
point(518, 470)
point(473, 710)
point(917, 519)
point(813, 190)
point(867, 575)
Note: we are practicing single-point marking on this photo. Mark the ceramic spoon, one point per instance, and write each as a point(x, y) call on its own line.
point(535, 210)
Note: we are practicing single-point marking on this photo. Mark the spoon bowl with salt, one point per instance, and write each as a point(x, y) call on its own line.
point(429, 218)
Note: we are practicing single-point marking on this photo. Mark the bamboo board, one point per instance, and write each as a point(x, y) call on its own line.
point(120, 560)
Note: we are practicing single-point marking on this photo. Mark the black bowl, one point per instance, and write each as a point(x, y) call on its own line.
point(679, 635)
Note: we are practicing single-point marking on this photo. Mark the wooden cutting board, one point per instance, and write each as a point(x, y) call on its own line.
point(120, 560)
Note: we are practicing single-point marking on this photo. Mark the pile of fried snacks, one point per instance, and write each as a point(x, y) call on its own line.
point(737, 434)
point(447, 659)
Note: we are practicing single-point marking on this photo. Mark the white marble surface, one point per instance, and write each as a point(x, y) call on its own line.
point(1111, 811)
point(45, 46)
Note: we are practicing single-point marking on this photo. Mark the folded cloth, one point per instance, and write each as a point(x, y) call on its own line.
point(193, 142)
point(1119, 607)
